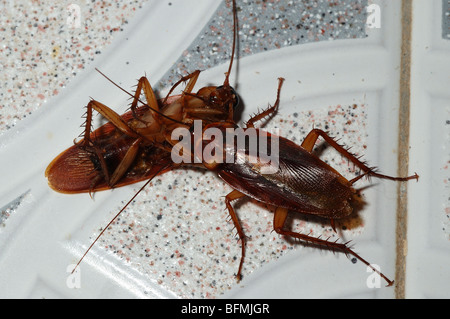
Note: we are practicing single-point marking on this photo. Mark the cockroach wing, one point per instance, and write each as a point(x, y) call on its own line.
point(77, 170)
point(72, 171)
point(302, 183)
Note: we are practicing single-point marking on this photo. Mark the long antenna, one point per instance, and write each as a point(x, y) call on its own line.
point(235, 26)
point(117, 215)
point(117, 85)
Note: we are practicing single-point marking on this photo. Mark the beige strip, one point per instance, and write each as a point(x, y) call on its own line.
point(403, 148)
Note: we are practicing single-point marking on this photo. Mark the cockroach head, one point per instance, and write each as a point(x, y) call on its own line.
point(219, 102)
point(227, 94)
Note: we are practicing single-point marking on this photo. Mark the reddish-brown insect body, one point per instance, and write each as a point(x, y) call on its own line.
point(138, 145)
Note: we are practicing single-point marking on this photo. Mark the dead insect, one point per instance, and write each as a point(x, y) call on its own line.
point(138, 146)
point(135, 146)
point(298, 182)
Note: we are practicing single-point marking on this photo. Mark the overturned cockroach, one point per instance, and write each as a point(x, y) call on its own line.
point(163, 134)
point(137, 145)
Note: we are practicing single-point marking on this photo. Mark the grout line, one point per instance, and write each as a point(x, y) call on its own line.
point(403, 148)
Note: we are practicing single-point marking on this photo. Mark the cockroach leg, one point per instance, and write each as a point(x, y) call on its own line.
point(111, 116)
point(312, 137)
point(189, 87)
point(271, 110)
point(230, 197)
point(90, 146)
point(279, 219)
point(125, 163)
point(144, 84)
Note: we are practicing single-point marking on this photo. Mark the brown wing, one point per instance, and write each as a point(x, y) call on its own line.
point(303, 183)
point(77, 171)
point(74, 171)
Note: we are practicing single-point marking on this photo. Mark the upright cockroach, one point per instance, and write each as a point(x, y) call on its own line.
point(141, 144)
point(299, 181)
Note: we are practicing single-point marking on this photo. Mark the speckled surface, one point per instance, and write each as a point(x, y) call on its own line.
point(178, 231)
point(44, 46)
point(167, 242)
point(44, 63)
point(446, 19)
point(182, 241)
point(268, 25)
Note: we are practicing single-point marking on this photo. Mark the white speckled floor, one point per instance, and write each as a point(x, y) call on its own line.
point(174, 240)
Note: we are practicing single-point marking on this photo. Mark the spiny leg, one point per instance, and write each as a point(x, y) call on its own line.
point(230, 197)
point(125, 163)
point(279, 221)
point(312, 137)
point(90, 146)
point(136, 98)
point(269, 111)
point(189, 87)
point(121, 168)
point(144, 84)
point(110, 115)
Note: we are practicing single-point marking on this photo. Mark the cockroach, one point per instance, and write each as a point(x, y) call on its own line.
point(136, 146)
point(139, 145)
point(302, 182)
